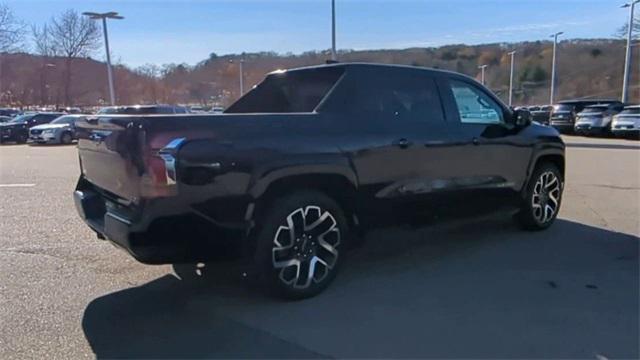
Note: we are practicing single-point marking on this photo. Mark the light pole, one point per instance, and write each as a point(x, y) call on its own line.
point(104, 16)
point(553, 66)
point(334, 55)
point(482, 67)
point(513, 55)
point(627, 61)
point(240, 74)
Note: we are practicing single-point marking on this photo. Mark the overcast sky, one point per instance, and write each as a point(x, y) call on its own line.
point(187, 31)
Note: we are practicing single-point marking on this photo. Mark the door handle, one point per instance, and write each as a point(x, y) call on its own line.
point(402, 143)
point(475, 141)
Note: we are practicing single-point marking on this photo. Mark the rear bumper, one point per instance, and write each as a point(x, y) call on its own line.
point(152, 237)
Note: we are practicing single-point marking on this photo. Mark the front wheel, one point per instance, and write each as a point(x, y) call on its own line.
point(66, 138)
point(542, 198)
point(300, 244)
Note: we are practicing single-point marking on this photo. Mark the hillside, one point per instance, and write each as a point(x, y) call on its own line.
point(586, 68)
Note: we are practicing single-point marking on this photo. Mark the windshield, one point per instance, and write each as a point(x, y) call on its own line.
point(631, 111)
point(64, 120)
point(562, 107)
point(21, 119)
point(595, 109)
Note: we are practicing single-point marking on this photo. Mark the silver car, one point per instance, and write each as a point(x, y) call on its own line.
point(60, 131)
point(627, 123)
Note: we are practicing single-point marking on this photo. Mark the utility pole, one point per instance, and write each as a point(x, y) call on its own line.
point(553, 67)
point(512, 54)
point(627, 61)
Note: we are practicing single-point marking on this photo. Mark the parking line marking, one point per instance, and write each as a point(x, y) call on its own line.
point(16, 185)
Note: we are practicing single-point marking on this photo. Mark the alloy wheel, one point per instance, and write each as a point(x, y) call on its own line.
point(546, 197)
point(305, 248)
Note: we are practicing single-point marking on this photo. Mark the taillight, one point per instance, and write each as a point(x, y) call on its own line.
point(161, 177)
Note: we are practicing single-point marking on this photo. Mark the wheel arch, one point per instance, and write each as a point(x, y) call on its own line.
point(553, 156)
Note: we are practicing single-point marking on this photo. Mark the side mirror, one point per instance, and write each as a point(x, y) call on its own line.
point(521, 118)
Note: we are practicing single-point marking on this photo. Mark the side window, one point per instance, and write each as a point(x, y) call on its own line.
point(40, 119)
point(474, 106)
point(399, 99)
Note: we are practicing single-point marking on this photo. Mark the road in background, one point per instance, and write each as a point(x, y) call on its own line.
point(473, 288)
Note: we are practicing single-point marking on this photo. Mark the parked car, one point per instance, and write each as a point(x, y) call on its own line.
point(60, 131)
point(9, 112)
point(627, 123)
point(217, 110)
point(541, 114)
point(4, 119)
point(18, 128)
point(563, 115)
point(596, 119)
point(143, 109)
point(197, 109)
point(305, 160)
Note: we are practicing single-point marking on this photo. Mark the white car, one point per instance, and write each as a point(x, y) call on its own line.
point(627, 122)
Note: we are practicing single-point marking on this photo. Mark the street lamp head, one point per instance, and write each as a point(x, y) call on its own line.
point(512, 53)
point(107, 15)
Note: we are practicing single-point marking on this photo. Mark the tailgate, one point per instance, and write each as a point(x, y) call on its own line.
point(112, 153)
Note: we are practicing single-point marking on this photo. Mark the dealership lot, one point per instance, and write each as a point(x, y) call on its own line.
point(473, 288)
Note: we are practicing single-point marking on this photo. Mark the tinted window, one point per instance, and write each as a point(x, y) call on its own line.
point(288, 92)
point(131, 110)
point(474, 105)
point(45, 118)
point(397, 99)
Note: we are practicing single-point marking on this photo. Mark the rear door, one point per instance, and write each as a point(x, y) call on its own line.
point(491, 156)
point(401, 157)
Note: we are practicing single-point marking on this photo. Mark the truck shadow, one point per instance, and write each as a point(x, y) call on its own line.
point(475, 289)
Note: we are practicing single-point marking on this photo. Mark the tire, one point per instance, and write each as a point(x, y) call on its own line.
point(300, 244)
point(542, 199)
point(22, 139)
point(66, 138)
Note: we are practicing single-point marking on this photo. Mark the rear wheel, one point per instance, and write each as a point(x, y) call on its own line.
point(300, 244)
point(542, 199)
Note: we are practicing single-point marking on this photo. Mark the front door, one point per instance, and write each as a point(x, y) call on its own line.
point(491, 155)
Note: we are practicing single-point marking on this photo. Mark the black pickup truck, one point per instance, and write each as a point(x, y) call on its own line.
point(307, 159)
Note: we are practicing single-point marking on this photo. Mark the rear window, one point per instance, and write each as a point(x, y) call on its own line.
point(289, 92)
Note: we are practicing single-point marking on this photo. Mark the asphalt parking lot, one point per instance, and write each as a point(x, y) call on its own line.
point(469, 289)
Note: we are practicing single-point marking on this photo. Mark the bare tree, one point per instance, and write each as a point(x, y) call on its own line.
point(11, 30)
point(73, 36)
point(623, 30)
point(11, 35)
point(44, 46)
